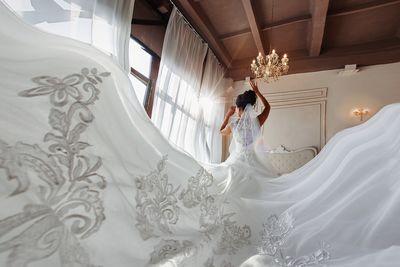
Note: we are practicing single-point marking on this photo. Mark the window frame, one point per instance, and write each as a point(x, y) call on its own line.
point(150, 82)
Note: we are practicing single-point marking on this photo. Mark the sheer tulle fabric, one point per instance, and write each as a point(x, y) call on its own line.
point(103, 24)
point(86, 179)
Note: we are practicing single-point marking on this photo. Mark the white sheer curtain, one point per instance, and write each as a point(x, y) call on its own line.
point(211, 113)
point(176, 105)
point(105, 24)
point(186, 97)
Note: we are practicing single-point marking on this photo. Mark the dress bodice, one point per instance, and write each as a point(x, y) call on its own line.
point(242, 134)
point(245, 132)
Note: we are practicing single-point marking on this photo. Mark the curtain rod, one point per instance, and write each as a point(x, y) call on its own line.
point(195, 32)
point(187, 22)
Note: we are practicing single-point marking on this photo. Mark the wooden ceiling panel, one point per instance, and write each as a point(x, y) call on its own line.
point(337, 5)
point(142, 10)
point(282, 10)
point(241, 46)
point(351, 31)
point(227, 16)
point(381, 52)
point(362, 27)
point(287, 38)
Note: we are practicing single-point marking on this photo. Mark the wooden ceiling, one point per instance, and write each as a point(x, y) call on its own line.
point(316, 34)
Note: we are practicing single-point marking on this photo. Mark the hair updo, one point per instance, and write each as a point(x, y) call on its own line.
point(248, 97)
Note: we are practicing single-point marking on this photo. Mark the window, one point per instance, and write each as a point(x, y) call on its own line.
point(141, 63)
point(139, 59)
point(177, 110)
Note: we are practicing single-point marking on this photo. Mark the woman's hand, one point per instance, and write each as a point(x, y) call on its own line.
point(231, 111)
point(254, 86)
point(264, 114)
point(225, 129)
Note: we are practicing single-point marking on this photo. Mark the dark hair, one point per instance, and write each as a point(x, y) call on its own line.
point(248, 97)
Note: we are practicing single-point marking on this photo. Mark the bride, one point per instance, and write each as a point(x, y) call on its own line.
point(86, 178)
point(244, 102)
point(247, 151)
point(246, 128)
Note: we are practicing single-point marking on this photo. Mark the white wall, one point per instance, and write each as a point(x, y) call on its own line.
point(372, 87)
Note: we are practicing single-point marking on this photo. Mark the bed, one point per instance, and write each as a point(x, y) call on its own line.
point(285, 160)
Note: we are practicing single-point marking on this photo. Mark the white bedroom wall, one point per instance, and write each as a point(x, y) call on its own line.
point(372, 87)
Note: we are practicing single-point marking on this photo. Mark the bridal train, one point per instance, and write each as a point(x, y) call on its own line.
point(87, 180)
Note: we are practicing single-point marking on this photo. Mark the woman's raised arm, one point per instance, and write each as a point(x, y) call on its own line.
point(226, 130)
point(264, 114)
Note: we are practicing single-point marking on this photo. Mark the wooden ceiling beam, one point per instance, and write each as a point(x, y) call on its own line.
point(342, 12)
point(147, 22)
point(381, 52)
point(154, 7)
point(200, 21)
point(268, 27)
point(286, 22)
point(254, 26)
point(319, 9)
point(363, 8)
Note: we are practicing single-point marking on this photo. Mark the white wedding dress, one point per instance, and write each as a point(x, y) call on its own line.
point(87, 180)
point(248, 156)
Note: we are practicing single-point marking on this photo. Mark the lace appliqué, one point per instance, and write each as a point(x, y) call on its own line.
point(197, 189)
point(156, 203)
point(211, 213)
point(233, 237)
point(159, 205)
point(210, 263)
point(68, 183)
point(245, 131)
point(273, 238)
point(174, 251)
point(211, 217)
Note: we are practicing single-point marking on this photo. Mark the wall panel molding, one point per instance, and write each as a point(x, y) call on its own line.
point(297, 102)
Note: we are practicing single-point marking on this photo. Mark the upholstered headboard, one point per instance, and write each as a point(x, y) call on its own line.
point(285, 161)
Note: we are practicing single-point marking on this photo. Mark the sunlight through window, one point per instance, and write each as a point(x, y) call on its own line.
point(140, 62)
point(139, 59)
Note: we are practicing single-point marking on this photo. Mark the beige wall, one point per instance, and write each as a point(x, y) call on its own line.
point(372, 87)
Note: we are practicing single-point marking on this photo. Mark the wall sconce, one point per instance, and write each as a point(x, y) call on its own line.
point(360, 112)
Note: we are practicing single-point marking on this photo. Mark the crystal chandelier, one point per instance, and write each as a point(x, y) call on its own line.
point(270, 67)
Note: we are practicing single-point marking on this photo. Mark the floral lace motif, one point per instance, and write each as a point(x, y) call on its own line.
point(210, 263)
point(156, 203)
point(243, 132)
point(233, 238)
point(273, 238)
point(69, 186)
point(197, 189)
point(173, 251)
point(159, 205)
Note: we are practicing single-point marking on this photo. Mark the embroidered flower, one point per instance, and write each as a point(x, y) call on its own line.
point(173, 251)
point(274, 237)
point(58, 89)
point(274, 233)
point(156, 203)
point(69, 188)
